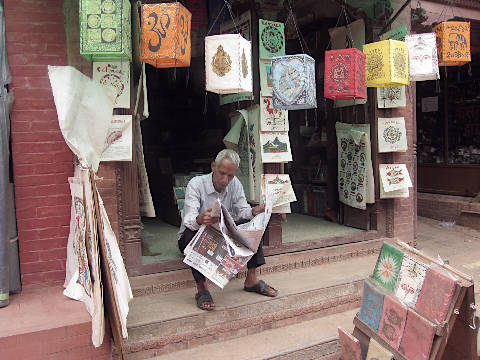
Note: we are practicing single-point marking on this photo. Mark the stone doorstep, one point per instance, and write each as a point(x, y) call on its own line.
point(234, 321)
point(326, 349)
point(182, 279)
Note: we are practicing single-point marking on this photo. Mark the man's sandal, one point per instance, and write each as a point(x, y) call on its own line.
point(262, 288)
point(204, 300)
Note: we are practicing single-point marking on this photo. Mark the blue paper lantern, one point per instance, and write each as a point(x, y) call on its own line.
point(293, 82)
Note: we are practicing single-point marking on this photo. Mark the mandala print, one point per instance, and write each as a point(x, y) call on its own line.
point(374, 65)
point(392, 134)
point(221, 62)
point(272, 39)
point(387, 269)
point(388, 266)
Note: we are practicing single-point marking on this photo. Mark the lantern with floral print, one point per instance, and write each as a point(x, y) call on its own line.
point(228, 64)
point(165, 38)
point(386, 63)
point(105, 30)
point(345, 74)
point(422, 57)
point(453, 43)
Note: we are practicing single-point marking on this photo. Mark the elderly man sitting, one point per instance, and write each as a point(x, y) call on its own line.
point(201, 193)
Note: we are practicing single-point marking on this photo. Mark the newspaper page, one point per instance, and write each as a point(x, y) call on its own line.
point(219, 251)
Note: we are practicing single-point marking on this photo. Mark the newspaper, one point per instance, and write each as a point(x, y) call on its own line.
point(220, 251)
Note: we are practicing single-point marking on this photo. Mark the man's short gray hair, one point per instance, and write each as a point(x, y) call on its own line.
point(228, 154)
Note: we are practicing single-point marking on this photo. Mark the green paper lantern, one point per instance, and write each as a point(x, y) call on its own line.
point(105, 30)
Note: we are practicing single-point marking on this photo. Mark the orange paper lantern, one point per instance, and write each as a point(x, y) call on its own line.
point(165, 37)
point(453, 43)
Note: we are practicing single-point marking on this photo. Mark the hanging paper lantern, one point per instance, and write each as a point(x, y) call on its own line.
point(293, 82)
point(453, 43)
point(105, 30)
point(345, 74)
point(422, 57)
point(386, 63)
point(165, 39)
point(228, 64)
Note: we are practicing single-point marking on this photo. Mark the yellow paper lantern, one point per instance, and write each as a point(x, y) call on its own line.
point(165, 38)
point(453, 43)
point(386, 63)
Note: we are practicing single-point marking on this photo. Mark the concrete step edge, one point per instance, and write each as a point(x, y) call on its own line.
point(328, 347)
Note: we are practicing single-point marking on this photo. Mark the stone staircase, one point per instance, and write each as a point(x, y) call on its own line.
point(316, 288)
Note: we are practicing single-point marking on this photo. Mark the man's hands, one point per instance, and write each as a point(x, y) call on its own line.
point(258, 209)
point(206, 218)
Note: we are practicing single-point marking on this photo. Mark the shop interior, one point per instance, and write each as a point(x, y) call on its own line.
point(186, 127)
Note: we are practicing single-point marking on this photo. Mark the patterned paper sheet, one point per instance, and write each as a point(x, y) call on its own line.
point(271, 38)
point(272, 119)
point(410, 280)
point(436, 295)
point(393, 321)
point(275, 146)
point(391, 97)
point(392, 135)
point(417, 337)
point(350, 346)
point(388, 266)
point(281, 186)
point(116, 76)
point(394, 177)
point(372, 306)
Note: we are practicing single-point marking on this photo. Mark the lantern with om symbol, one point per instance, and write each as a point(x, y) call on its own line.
point(105, 30)
point(453, 43)
point(165, 37)
point(345, 74)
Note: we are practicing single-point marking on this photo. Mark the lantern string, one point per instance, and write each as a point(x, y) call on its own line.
point(229, 7)
point(336, 25)
point(349, 30)
point(216, 19)
point(299, 34)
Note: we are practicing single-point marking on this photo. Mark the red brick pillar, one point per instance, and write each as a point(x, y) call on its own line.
point(42, 162)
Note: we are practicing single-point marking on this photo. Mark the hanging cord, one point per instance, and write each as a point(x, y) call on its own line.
point(301, 39)
point(336, 25)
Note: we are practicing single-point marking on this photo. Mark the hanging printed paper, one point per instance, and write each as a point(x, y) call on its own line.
point(417, 337)
point(275, 147)
point(350, 346)
point(391, 97)
point(243, 26)
point(372, 306)
point(392, 322)
point(453, 43)
point(410, 280)
point(386, 63)
point(436, 294)
point(400, 193)
point(266, 81)
point(118, 145)
point(345, 75)
point(350, 36)
point(282, 209)
point(115, 75)
point(165, 39)
point(394, 177)
point(255, 151)
point(355, 172)
point(392, 135)
point(422, 57)
point(271, 38)
point(294, 84)
point(281, 187)
point(105, 30)
point(377, 351)
point(398, 33)
point(272, 119)
point(228, 64)
point(388, 266)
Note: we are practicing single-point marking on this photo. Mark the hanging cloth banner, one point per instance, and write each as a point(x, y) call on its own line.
point(271, 39)
point(355, 171)
point(391, 97)
point(392, 135)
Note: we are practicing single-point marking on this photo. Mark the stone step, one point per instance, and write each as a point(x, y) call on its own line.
point(182, 279)
point(312, 339)
point(170, 321)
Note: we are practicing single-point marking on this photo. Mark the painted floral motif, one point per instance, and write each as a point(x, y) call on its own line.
point(221, 62)
point(388, 266)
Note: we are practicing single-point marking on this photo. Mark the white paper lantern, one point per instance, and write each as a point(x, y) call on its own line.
point(422, 57)
point(228, 64)
point(293, 82)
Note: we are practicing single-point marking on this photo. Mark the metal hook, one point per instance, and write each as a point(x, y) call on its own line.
point(474, 308)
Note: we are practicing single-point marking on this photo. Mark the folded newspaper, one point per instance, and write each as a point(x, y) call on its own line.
point(220, 251)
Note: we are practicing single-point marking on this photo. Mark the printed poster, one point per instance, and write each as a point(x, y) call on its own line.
point(275, 146)
point(115, 75)
point(271, 38)
point(392, 135)
point(118, 145)
point(243, 26)
point(401, 193)
point(394, 177)
point(281, 188)
point(272, 119)
point(355, 171)
point(393, 97)
point(266, 80)
point(410, 280)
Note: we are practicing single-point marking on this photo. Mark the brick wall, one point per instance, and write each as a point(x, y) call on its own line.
point(42, 162)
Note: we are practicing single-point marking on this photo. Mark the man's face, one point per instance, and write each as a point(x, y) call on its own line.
point(223, 174)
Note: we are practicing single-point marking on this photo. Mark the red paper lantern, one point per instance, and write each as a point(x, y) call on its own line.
point(345, 74)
